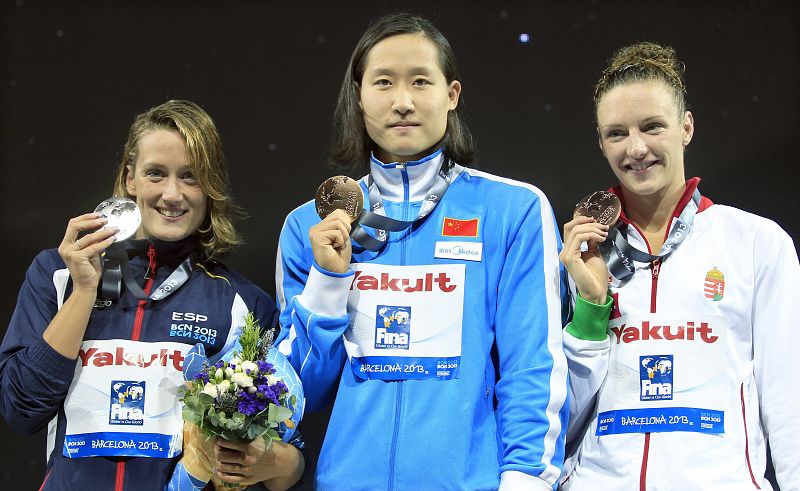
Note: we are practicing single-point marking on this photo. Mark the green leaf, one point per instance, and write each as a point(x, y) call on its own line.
point(279, 413)
point(250, 337)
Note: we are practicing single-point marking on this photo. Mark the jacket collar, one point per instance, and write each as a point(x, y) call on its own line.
point(690, 186)
point(420, 175)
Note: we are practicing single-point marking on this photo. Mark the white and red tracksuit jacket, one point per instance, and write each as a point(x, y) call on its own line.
point(698, 370)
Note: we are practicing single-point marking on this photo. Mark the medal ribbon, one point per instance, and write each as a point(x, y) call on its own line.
point(116, 267)
point(381, 223)
point(620, 254)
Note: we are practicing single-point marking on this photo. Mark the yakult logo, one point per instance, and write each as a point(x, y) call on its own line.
point(119, 356)
point(689, 332)
point(385, 282)
point(127, 403)
point(392, 327)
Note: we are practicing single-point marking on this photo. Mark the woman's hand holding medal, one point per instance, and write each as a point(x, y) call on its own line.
point(338, 202)
point(114, 219)
point(82, 255)
point(590, 224)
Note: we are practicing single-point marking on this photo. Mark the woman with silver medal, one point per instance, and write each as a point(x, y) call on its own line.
point(97, 341)
point(681, 384)
point(438, 298)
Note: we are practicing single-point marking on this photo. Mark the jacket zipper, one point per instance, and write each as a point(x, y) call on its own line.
point(655, 270)
point(399, 393)
point(406, 196)
point(135, 335)
point(138, 320)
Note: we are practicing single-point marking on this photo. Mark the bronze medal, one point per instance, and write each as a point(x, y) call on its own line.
point(603, 206)
point(339, 193)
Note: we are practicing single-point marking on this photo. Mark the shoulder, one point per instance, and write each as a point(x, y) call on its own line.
point(49, 258)
point(740, 222)
point(46, 263)
point(503, 187)
point(215, 271)
point(297, 222)
point(763, 236)
point(302, 215)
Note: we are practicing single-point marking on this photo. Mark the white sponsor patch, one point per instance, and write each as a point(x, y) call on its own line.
point(465, 251)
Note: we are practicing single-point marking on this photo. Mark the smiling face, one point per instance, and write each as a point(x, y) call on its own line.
point(171, 199)
point(643, 137)
point(405, 97)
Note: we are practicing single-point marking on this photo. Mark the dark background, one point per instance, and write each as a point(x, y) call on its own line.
point(74, 74)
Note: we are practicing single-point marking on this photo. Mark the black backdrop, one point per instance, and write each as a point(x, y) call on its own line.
point(74, 74)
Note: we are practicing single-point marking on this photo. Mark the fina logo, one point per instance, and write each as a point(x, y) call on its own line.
point(655, 373)
point(127, 403)
point(392, 327)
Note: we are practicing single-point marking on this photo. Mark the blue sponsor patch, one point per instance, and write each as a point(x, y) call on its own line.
point(127, 403)
point(660, 420)
point(655, 374)
point(392, 327)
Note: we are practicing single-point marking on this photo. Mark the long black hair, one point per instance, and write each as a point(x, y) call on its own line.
point(351, 145)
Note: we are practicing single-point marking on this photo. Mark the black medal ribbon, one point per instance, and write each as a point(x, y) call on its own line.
point(377, 219)
point(620, 254)
point(117, 270)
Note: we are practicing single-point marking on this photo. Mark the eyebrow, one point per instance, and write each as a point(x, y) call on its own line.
point(385, 70)
point(648, 119)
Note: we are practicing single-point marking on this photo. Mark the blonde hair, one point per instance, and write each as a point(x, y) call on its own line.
point(217, 234)
point(643, 62)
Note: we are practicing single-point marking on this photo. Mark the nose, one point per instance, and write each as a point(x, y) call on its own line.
point(403, 102)
point(171, 192)
point(637, 147)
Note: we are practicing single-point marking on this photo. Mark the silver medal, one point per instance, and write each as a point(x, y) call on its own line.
point(122, 213)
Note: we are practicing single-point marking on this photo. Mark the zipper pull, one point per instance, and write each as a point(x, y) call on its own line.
point(151, 256)
point(656, 268)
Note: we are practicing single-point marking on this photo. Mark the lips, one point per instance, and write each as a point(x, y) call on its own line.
point(403, 125)
point(171, 212)
point(639, 166)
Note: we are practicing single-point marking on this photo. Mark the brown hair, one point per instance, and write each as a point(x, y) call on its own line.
point(350, 143)
point(642, 62)
point(217, 234)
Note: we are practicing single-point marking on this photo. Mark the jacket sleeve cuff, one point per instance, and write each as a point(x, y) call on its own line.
point(49, 361)
point(515, 480)
point(326, 292)
point(590, 320)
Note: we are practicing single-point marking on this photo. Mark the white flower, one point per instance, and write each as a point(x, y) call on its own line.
point(242, 379)
point(235, 361)
point(218, 374)
point(249, 365)
point(272, 380)
point(252, 389)
point(229, 372)
point(210, 389)
point(224, 386)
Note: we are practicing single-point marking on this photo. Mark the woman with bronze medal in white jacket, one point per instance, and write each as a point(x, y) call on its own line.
point(679, 389)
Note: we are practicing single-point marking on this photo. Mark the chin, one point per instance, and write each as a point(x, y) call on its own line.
point(168, 235)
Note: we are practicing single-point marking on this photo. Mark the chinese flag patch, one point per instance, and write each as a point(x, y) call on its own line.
point(453, 227)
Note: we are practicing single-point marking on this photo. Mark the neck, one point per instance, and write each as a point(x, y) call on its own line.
point(652, 214)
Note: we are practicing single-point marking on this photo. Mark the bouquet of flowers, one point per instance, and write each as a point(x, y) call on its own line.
point(243, 397)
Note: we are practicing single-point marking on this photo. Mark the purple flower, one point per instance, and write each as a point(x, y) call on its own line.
point(202, 376)
point(265, 367)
